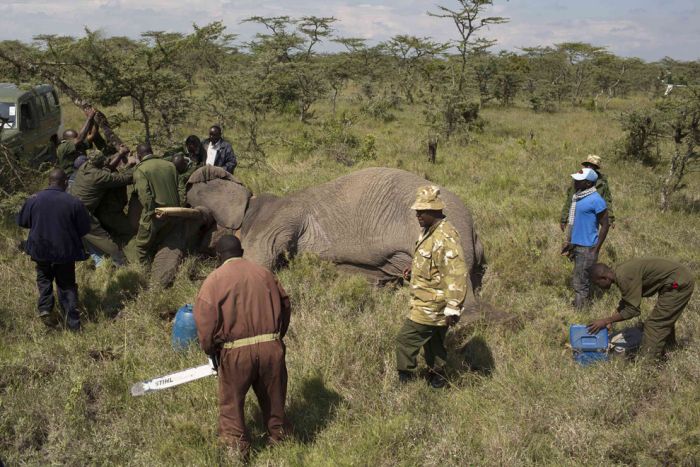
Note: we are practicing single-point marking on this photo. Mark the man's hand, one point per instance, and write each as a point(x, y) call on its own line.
point(597, 325)
point(90, 113)
point(562, 226)
point(452, 320)
point(407, 274)
point(123, 150)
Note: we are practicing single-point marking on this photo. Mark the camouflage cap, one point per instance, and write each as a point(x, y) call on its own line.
point(593, 160)
point(428, 198)
point(97, 157)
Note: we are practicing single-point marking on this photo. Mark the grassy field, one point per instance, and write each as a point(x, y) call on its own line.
point(515, 396)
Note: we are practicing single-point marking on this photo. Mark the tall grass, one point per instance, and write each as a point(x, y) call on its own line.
point(515, 396)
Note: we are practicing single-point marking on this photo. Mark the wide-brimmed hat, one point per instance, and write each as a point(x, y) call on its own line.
point(428, 199)
point(585, 174)
point(593, 160)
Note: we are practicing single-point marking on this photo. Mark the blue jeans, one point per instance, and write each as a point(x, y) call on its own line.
point(584, 257)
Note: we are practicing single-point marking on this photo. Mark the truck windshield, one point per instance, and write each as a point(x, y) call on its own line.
point(8, 115)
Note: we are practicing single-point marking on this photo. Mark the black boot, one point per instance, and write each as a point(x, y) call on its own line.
point(437, 381)
point(405, 376)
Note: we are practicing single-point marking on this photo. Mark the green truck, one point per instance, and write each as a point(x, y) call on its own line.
point(30, 121)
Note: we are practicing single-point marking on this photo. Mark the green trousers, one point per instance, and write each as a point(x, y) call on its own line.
point(412, 337)
point(160, 241)
point(660, 327)
point(100, 240)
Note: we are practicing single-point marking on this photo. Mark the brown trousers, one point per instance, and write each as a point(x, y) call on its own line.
point(263, 367)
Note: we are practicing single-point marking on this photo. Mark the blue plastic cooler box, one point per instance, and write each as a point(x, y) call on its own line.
point(588, 348)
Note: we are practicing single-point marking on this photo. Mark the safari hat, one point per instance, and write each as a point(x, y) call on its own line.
point(428, 199)
point(585, 174)
point(593, 160)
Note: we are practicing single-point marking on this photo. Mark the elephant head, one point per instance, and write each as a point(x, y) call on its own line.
point(220, 192)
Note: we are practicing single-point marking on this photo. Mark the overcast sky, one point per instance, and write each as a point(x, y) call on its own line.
point(650, 29)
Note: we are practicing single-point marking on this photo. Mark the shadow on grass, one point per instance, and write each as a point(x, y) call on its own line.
point(122, 286)
point(478, 357)
point(311, 412)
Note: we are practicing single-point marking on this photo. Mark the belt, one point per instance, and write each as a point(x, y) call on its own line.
point(252, 340)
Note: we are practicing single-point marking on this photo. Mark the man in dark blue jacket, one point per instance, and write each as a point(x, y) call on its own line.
point(57, 222)
point(218, 151)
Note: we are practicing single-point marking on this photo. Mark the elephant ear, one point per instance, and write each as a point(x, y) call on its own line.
point(219, 191)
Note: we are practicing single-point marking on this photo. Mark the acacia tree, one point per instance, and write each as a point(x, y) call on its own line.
point(288, 47)
point(679, 117)
point(151, 72)
point(456, 107)
point(413, 56)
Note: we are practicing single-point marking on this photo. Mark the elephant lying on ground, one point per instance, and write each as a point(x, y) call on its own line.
point(362, 221)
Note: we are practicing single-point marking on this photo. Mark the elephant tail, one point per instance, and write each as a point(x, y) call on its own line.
point(479, 266)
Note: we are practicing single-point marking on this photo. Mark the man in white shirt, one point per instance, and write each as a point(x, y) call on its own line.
point(219, 151)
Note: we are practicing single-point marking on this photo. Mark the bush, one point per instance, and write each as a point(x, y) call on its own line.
point(641, 142)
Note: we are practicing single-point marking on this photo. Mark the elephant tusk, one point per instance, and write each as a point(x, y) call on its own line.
point(186, 213)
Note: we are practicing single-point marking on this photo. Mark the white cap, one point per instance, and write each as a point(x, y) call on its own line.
point(585, 174)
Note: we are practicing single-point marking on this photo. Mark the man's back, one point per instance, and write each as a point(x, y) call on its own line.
point(643, 277)
point(156, 179)
point(57, 221)
point(91, 183)
point(250, 300)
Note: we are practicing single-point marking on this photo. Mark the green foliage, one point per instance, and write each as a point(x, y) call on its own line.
point(515, 396)
point(641, 142)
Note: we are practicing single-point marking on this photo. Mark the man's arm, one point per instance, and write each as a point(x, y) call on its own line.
point(207, 319)
point(143, 191)
point(82, 219)
point(24, 218)
point(599, 324)
point(450, 263)
point(604, 224)
point(564, 217)
point(286, 308)
point(82, 136)
point(229, 158)
point(604, 191)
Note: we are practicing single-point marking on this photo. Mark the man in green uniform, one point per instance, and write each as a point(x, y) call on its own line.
point(644, 277)
point(601, 186)
point(156, 185)
point(185, 167)
point(439, 285)
point(92, 183)
point(73, 144)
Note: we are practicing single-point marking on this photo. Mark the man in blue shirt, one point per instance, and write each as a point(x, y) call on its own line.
point(57, 222)
point(588, 226)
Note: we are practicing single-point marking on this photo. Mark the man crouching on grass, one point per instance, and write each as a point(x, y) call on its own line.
point(242, 314)
point(439, 286)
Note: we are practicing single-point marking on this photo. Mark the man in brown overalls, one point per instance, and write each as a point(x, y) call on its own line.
point(242, 314)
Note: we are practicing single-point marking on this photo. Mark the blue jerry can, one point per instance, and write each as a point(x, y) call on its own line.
point(184, 328)
point(588, 348)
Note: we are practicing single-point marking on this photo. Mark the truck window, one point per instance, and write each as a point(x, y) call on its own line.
point(26, 117)
point(8, 115)
point(42, 106)
point(52, 100)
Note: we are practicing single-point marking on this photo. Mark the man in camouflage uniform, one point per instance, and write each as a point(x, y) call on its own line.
point(156, 185)
point(601, 186)
point(439, 286)
point(93, 181)
point(73, 144)
point(644, 277)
